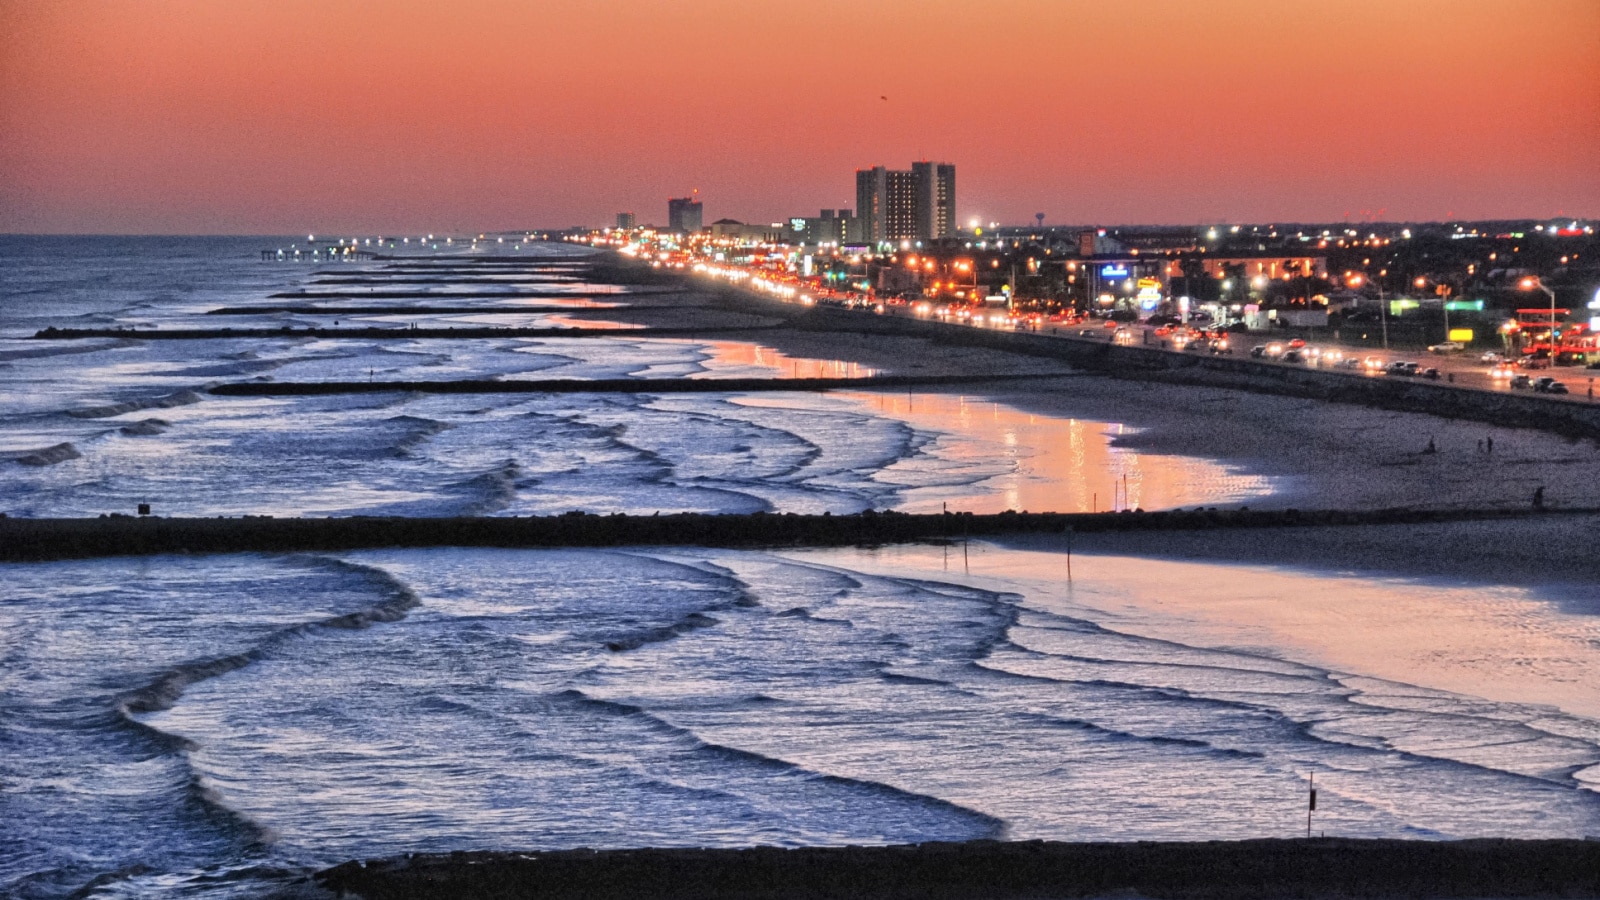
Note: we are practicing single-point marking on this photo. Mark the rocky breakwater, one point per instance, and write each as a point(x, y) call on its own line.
point(1329, 867)
point(123, 535)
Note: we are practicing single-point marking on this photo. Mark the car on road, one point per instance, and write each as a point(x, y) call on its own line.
point(1534, 362)
point(1521, 382)
point(1430, 373)
point(1401, 367)
point(1293, 356)
point(1548, 385)
point(1349, 362)
point(1447, 347)
point(1493, 356)
point(1502, 370)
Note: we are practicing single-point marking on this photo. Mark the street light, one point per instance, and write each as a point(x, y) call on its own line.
point(1529, 284)
point(1383, 314)
point(1444, 303)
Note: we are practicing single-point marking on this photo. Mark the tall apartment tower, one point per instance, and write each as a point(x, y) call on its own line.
point(886, 201)
point(683, 214)
point(906, 205)
point(936, 199)
point(627, 220)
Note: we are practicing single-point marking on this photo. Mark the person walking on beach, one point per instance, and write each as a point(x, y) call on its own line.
point(1538, 497)
point(1489, 443)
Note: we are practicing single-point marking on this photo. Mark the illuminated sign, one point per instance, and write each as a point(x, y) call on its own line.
point(1148, 284)
point(1114, 271)
point(1464, 335)
point(1149, 299)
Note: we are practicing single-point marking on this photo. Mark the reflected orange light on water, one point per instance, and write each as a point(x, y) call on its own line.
point(1057, 465)
point(727, 356)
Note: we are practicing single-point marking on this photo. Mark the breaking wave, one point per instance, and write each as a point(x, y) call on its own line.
point(106, 411)
point(49, 456)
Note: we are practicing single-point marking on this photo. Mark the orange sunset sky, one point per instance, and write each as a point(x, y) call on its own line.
point(239, 116)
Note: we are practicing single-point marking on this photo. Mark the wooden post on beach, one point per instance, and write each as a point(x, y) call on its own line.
point(965, 564)
point(1069, 554)
point(1311, 805)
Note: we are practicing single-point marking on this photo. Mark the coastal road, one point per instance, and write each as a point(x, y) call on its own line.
point(1465, 370)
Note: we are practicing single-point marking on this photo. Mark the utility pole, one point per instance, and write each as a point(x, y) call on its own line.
point(1383, 315)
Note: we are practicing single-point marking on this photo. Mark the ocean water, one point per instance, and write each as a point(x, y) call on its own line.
point(97, 426)
point(221, 726)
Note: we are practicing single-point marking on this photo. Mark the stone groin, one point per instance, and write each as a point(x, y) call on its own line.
point(310, 309)
point(992, 870)
point(514, 294)
point(605, 385)
point(123, 535)
point(365, 332)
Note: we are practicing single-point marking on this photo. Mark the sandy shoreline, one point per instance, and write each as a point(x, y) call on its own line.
point(1322, 455)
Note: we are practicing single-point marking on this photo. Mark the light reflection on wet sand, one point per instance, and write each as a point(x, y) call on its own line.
point(742, 359)
point(1055, 464)
point(1052, 464)
point(1493, 641)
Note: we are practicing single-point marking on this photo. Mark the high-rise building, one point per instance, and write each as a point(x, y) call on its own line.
point(627, 220)
point(886, 202)
point(936, 199)
point(684, 214)
point(899, 205)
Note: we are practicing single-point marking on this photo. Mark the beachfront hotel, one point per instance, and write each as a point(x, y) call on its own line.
point(915, 204)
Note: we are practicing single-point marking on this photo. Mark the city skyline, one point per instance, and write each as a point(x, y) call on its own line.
point(282, 118)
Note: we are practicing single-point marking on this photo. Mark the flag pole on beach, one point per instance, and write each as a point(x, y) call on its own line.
point(1311, 803)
